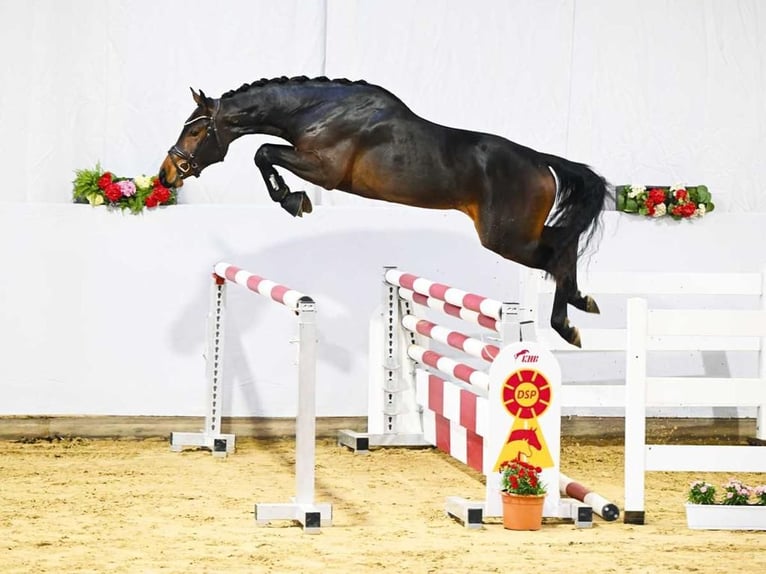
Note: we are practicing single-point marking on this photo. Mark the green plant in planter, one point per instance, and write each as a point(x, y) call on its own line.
point(701, 492)
point(735, 493)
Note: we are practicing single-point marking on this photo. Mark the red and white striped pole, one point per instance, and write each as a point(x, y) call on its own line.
point(454, 339)
point(471, 301)
point(449, 309)
point(449, 367)
point(600, 505)
point(274, 291)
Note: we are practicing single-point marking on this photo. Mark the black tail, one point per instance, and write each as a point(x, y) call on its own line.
point(581, 198)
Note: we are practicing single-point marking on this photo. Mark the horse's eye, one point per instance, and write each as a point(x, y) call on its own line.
point(195, 131)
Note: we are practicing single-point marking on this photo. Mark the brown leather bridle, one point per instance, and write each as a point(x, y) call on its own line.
point(188, 164)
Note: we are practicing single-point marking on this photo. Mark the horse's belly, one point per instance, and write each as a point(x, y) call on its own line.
point(417, 179)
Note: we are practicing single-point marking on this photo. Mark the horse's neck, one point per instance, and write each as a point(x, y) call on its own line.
point(267, 111)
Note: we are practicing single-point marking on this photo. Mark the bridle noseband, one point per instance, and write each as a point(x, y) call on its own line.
point(188, 164)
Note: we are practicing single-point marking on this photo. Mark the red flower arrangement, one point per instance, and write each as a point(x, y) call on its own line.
point(677, 201)
point(99, 187)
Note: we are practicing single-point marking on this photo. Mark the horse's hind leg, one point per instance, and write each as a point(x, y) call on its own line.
point(538, 255)
point(564, 270)
point(268, 155)
point(559, 320)
point(569, 272)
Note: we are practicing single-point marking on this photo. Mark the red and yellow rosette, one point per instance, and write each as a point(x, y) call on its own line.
point(526, 395)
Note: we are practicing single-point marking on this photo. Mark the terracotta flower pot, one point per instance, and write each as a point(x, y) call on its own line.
point(522, 512)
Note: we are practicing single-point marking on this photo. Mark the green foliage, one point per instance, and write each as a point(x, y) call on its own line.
point(85, 186)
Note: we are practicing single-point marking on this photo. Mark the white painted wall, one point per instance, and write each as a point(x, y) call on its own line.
point(105, 313)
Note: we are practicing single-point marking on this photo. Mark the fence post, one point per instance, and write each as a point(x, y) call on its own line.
point(635, 410)
point(305, 424)
point(760, 420)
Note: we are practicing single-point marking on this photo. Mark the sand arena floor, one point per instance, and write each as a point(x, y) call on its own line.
point(78, 505)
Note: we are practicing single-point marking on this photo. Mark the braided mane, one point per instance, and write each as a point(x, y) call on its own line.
point(284, 80)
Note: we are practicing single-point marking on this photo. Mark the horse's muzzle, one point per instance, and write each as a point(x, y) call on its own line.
point(163, 178)
point(167, 181)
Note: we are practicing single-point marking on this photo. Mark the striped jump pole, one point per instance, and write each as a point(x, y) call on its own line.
point(442, 292)
point(449, 367)
point(290, 298)
point(601, 506)
point(302, 508)
point(450, 309)
point(455, 339)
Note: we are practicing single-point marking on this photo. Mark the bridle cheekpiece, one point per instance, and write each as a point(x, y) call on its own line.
point(188, 164)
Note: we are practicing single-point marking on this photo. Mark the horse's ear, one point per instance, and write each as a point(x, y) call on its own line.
point(200, 97)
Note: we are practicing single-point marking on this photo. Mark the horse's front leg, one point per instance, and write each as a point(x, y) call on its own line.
point(295, 203)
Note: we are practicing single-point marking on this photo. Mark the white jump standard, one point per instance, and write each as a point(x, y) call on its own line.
point(302, 508)
point(211, 436)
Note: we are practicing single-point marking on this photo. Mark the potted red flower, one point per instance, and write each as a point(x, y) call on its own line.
point(523, 495)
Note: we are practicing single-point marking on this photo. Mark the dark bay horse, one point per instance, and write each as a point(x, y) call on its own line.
point(360, 138)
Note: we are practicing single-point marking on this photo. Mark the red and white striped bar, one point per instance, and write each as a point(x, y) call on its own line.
point(458, 297)
point(454, 339)
point(274, 291)
point(601, 506)
point(451, 368)
point(449, 309)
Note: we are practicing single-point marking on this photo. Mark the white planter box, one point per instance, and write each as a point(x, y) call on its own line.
point(722, 517)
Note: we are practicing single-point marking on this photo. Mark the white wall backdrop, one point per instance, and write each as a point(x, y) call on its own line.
point(104, 313)
point(652, 91)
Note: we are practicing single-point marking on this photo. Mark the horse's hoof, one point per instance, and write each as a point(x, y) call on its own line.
point(567, 332)
point(574, 338)
point(590, 305)
point(296, 203)
point(306, 203)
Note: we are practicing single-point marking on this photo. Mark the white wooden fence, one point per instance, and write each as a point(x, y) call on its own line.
point(691, 328)
point(535, 288)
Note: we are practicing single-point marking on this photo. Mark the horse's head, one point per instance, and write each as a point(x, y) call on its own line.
point(198, 146)
point(534, 440)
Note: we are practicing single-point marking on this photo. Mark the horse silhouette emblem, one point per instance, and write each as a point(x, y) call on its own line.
point(522, 441)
